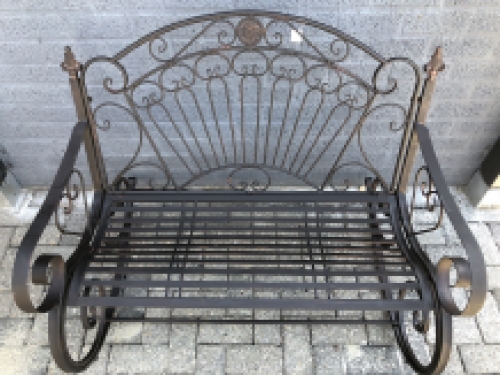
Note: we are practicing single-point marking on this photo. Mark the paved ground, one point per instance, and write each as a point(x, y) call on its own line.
point(207, 349)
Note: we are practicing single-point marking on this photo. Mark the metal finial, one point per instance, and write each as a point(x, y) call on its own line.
point(70, 64)
point(436, 64)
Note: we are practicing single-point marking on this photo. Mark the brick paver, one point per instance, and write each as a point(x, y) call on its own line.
point(148, 348)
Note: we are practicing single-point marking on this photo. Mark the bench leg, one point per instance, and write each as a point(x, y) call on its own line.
point(409, 326)
point(91, 320)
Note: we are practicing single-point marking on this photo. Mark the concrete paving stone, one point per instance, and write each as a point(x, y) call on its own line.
point(495, 232)
point(183, 335)
point(450, 233)
point(5, 236)
point(39, 333)
point(480, 359)
point(339, 334)
point(14, 332)
point(486, 242)
point(125, 333)
point(496, 296)
point(372, 359)
point(6, 269)
point(126, 359)
point(225, 333)
point(435, 237)
point(380, 334)
point(490, 331)
point(329, 359)
point(267, 334)
point(297, 348)
point(50, 236)
point(210, 360)
point(10, 217)
point(493, 274)
point(466, 331)
point(17, 313)
point(146, 359)
point(254, 359)
point(490, 311)
point(37, 198)
point(69, 240)
point(32, 360)
point(454, 366)
point(156, 333)
point(6, 301)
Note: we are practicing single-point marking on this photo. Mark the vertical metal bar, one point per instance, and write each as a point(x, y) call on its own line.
point(242, 120)
point(291, 86)
point(295, 126)
point(204, 123)
point(173, 257)
point(92, 148)
point(309, 246)
point(269, 117)
point(357, 128)
point(252, 220)
point(312, 145)
point(257, 131)
point(372, 214)
point(188, 243)
point(190, 128)
point(216, 118)
point(167, 139)
point(321, 247)
point(434, 66)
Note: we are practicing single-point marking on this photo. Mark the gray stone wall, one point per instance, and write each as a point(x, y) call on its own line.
point(37, 114)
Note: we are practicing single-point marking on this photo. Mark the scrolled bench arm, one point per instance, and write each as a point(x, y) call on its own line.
point(20, 274)
point(471, 272)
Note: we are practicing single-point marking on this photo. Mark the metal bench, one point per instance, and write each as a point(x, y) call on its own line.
point(232, 199)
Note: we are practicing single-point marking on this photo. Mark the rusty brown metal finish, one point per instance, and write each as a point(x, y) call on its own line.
point(92, 148)
point(185, 235)
point(432, 69)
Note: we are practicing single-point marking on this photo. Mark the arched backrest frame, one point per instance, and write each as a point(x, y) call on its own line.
point(249, 36)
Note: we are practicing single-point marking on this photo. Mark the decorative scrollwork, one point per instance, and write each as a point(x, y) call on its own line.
point(249, 186)
point(431, 200)
point(340, 50)
point(250, 31)
point(157, 47)
point(240, 78)
point(108, 81)
point(72, 193)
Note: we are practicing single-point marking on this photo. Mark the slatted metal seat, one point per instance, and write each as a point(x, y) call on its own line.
point(231, 206)
point(312, 248)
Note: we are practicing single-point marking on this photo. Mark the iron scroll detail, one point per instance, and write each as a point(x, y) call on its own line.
point(47, 269)
point(71, 194)
point(239, 93)
point(431, 200)
point(471, 272)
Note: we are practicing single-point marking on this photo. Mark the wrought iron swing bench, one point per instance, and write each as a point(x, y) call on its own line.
point(242, 135)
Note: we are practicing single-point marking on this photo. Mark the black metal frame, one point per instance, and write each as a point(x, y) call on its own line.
point(320, 248)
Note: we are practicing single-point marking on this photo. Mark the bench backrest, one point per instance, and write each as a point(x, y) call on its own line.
point(253, 98)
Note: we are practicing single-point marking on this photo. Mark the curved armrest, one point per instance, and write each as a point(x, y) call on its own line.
point(470, 272)
point(30, 240)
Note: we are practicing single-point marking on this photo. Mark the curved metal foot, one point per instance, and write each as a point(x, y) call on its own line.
point(411, 328)
point(76, 334)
